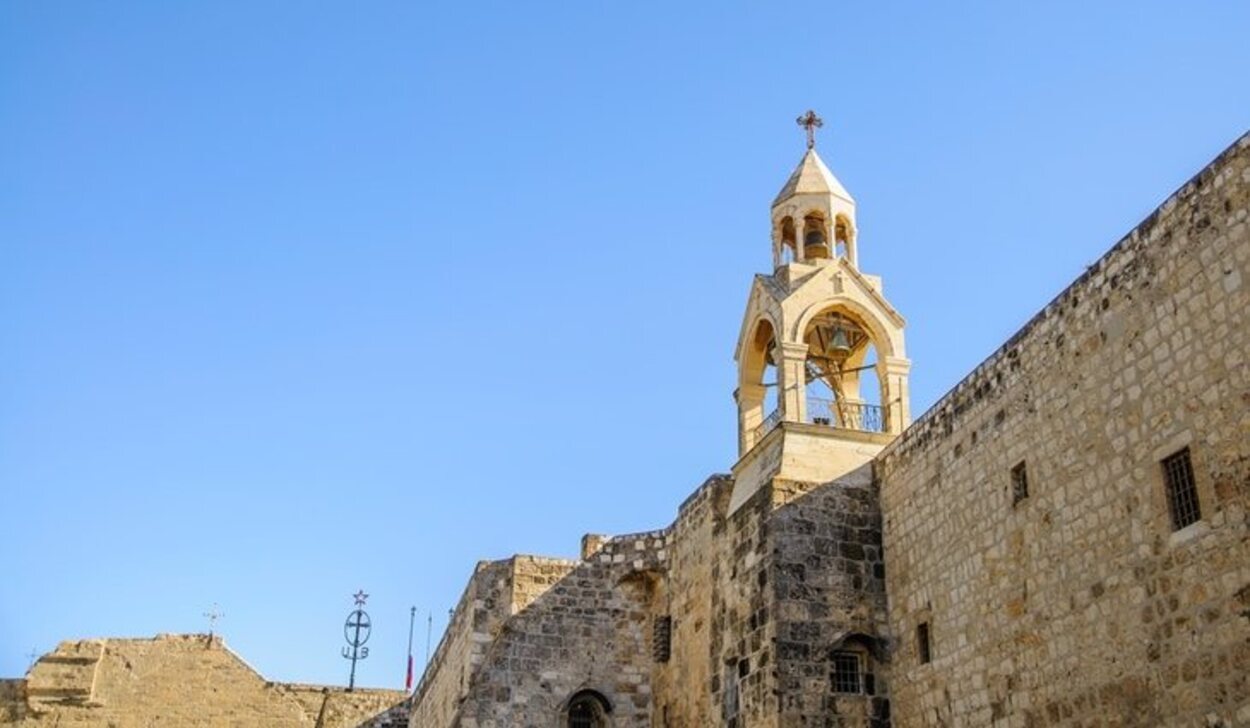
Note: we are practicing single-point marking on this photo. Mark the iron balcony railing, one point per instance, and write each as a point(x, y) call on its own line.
point(831, 413)
point(846, 415)
point(767, 425)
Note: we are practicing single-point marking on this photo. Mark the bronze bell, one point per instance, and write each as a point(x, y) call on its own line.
point(839, 343)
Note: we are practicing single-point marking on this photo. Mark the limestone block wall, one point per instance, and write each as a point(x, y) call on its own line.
point(828, 593)
point(743, 686)
point(683, 686)
point(589, 630)
point(1079, 603)
point(491, 597)
point(174, 680)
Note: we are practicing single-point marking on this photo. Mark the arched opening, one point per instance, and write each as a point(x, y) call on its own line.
point(845, 386)
point(758, 406)
point(815, 237)
point(843, 236)
point(787, 235)
point(588, 709)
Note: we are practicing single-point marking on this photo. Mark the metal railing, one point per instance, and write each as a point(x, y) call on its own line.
point(846, 415)
point(767, 425)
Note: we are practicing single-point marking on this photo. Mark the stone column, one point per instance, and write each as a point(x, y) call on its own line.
point(852, 253)
point(898, 406)
point(792, 379)
point(799, 225)
point(750, 398)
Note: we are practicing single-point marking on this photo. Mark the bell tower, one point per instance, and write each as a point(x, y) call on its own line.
point(822, 370)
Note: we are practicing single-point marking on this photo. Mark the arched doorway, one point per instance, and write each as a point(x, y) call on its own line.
point(588, 709)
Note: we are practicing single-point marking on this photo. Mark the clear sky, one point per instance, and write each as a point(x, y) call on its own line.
point(301, 298)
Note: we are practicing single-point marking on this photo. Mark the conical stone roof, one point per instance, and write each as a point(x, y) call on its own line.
point(812, 177)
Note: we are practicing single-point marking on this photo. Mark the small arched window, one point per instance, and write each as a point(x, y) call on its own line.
point(815, 241)
point(588, 709)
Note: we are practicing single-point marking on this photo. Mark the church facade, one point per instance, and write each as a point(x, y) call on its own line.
point(1063, 539)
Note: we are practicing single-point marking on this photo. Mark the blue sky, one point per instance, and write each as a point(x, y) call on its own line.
point(297, 298)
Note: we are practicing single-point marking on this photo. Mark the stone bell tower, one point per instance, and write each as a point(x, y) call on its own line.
point(822, 371)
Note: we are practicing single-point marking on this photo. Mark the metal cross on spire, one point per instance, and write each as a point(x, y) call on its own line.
point(212, 616)
point(811, 123)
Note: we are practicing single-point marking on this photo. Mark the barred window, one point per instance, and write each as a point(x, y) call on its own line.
point(1178, 481)
point(922, 643)
point(848, 672)
point(1019, 483)
point(662, 639)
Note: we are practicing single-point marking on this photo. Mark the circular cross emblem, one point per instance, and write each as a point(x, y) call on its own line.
point(356, 629)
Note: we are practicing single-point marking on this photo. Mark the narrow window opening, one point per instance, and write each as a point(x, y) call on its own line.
point(922, 643)
point(662, 639)
point(1178, 480)
point(731, 679)
point(848, 672)
point(1019, 483)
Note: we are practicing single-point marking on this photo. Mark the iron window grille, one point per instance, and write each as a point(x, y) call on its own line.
point(1178, 480)
point(662, 639)
point(848, 673)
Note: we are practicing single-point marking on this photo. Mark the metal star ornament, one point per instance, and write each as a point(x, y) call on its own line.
point(360, 597)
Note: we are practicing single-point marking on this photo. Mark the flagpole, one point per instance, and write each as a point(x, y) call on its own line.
point(429, 629)
point(412, 616)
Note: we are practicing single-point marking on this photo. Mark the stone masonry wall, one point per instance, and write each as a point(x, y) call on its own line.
point(590, 630)
point(1079, 604)
point(496, 591)
point(829, 594)
point(683, 686)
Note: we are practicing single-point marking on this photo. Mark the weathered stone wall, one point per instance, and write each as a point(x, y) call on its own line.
point(1079, 604)
point(829, 593)
point(494, 593)
point(683, 686)
point(589, 629)
point(178, 680)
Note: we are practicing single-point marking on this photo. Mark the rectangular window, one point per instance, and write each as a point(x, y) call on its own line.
point(1019, 483)
point(662, 639)
point(848, 672)
point(1178, 481)
point(922, 643)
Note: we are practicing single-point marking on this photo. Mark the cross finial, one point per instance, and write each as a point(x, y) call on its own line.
point(212, 616)
point(33, 656)
point(811, 123)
